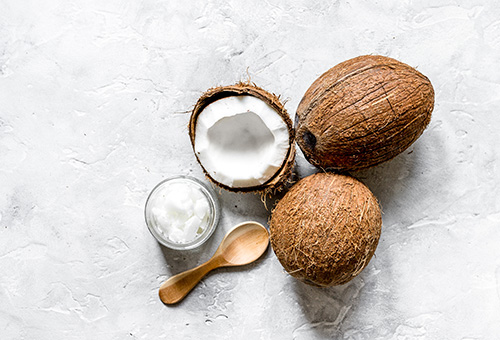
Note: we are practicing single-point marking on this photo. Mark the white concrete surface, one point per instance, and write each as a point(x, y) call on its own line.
point(94, 102)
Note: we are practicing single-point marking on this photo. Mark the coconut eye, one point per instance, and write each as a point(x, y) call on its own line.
point(309, 139)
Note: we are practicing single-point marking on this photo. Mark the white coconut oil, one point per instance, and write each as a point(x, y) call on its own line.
point(180, 211)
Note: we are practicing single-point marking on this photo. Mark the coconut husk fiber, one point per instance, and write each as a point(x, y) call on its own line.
point(325, 230)
point(362, 112)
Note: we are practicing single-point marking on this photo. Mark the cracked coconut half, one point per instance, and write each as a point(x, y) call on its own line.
point(243, 138)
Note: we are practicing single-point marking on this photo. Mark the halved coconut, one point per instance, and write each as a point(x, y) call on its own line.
point(243, 138)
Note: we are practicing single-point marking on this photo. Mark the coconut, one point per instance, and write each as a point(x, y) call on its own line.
point(324, 231)
point(243, 138)
point(362, 112)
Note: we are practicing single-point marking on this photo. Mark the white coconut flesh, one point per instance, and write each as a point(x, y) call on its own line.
point(241, 141)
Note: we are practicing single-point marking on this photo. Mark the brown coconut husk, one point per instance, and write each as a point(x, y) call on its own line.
point(362, 112)
point(325, 229)
point(278, 181)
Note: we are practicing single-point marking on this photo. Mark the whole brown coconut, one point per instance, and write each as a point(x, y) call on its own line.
point(325, 229)
point(362, 112)
point(283, 170)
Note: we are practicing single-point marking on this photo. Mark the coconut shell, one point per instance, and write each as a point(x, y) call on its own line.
point(362, 112)
point(325, 230)
point(281, 177)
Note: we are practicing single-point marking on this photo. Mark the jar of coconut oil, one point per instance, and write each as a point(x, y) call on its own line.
point(182, 212)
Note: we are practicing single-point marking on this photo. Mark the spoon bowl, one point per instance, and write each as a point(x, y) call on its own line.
point(244, 244)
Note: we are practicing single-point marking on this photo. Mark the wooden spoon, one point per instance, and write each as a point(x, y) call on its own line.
point(245, 243)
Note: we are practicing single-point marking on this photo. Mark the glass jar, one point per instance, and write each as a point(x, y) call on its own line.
point(163, 211)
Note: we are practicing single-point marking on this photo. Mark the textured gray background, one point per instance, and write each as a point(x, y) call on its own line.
point(94, 98)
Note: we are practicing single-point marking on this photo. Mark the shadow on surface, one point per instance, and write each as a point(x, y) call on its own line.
point(385, 180)
point(325, 308)
point(407, 185)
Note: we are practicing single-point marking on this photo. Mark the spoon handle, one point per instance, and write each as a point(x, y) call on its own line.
point(178, 286)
